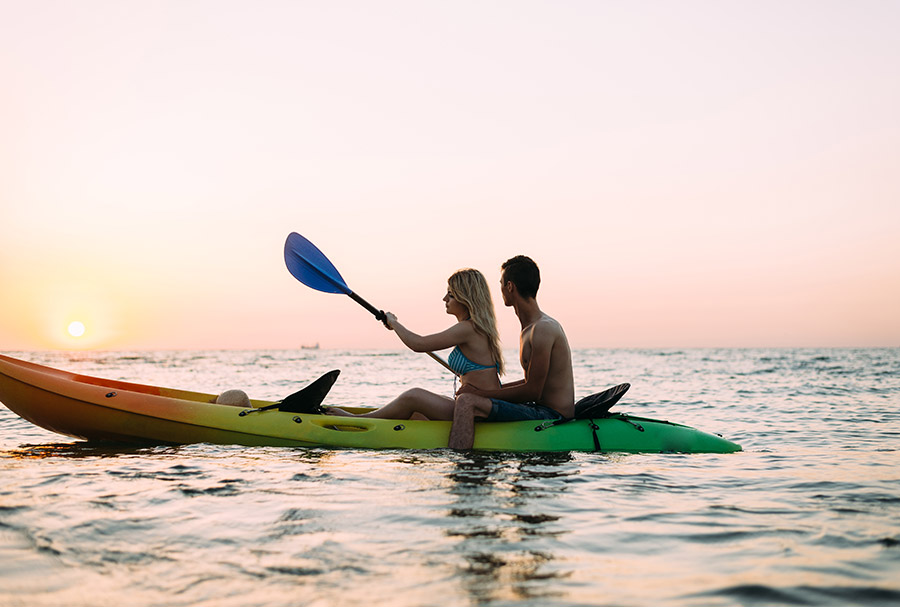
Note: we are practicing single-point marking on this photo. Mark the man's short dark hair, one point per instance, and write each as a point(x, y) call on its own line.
point(524, 273)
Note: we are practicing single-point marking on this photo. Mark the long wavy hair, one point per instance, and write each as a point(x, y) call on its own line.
point(469, 288)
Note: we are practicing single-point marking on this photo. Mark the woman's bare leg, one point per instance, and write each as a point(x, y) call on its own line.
point(415, 401)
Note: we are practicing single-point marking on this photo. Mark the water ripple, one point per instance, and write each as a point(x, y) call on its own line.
point(806, 515)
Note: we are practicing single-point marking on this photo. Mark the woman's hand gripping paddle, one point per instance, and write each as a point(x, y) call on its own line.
point(310, 266)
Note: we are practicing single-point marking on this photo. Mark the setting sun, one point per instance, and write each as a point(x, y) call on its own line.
point(76, 329)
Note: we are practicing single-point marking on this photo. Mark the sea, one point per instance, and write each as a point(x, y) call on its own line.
point(807, 514)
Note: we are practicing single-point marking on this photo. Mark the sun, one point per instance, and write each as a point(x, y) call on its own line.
point(76, 328)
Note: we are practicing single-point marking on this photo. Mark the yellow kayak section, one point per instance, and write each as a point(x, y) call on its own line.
point(98, 409)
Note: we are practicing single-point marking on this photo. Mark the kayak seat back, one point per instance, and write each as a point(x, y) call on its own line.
point(599, 404)
point(309, 399)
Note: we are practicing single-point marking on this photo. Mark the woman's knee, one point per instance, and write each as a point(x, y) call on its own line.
point(413, 394)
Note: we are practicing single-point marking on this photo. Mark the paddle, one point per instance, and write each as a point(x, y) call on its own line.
point(310, 266)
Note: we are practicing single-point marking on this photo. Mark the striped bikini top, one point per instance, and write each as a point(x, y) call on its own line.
point(462, 365)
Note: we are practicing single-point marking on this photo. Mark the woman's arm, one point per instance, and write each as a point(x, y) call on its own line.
point(458, 334)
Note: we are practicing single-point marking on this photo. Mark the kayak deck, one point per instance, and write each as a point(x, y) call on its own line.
point(92, 408)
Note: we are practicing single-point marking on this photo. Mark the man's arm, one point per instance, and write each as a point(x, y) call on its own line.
point(531, 388)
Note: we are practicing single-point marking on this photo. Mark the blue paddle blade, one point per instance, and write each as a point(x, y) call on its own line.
point(310, 266)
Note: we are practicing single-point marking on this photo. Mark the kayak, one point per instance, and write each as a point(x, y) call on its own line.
point(98, 409)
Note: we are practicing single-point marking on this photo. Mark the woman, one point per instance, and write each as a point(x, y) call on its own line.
point(476, 356)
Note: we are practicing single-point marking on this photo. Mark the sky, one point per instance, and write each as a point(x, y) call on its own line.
point(686, 174)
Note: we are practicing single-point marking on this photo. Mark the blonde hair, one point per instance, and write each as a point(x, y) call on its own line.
point(468, 287)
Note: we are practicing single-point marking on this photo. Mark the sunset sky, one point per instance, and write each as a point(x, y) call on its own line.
point(685, 173)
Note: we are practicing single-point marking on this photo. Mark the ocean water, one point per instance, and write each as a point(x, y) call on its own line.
point(807, 514)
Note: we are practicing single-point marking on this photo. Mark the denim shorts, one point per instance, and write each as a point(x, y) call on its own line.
point(502, 411)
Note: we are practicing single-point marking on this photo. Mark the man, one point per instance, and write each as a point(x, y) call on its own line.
point(548, 390)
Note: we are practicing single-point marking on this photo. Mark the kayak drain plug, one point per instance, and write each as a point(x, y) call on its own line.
point(110, 394)
point(399, 427)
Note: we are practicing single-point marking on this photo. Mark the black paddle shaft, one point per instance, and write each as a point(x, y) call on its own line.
point(379, 314)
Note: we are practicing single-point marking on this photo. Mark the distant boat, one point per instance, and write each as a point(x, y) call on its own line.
point(314, 346)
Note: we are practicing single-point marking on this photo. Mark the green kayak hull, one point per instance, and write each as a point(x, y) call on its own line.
point(95, 409)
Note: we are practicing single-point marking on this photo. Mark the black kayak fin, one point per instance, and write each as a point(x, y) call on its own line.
point(598, 405)
point(309, 399)
point(306, 400)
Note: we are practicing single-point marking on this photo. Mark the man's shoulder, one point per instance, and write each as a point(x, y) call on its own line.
point(548, 323)
point(548, 328)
